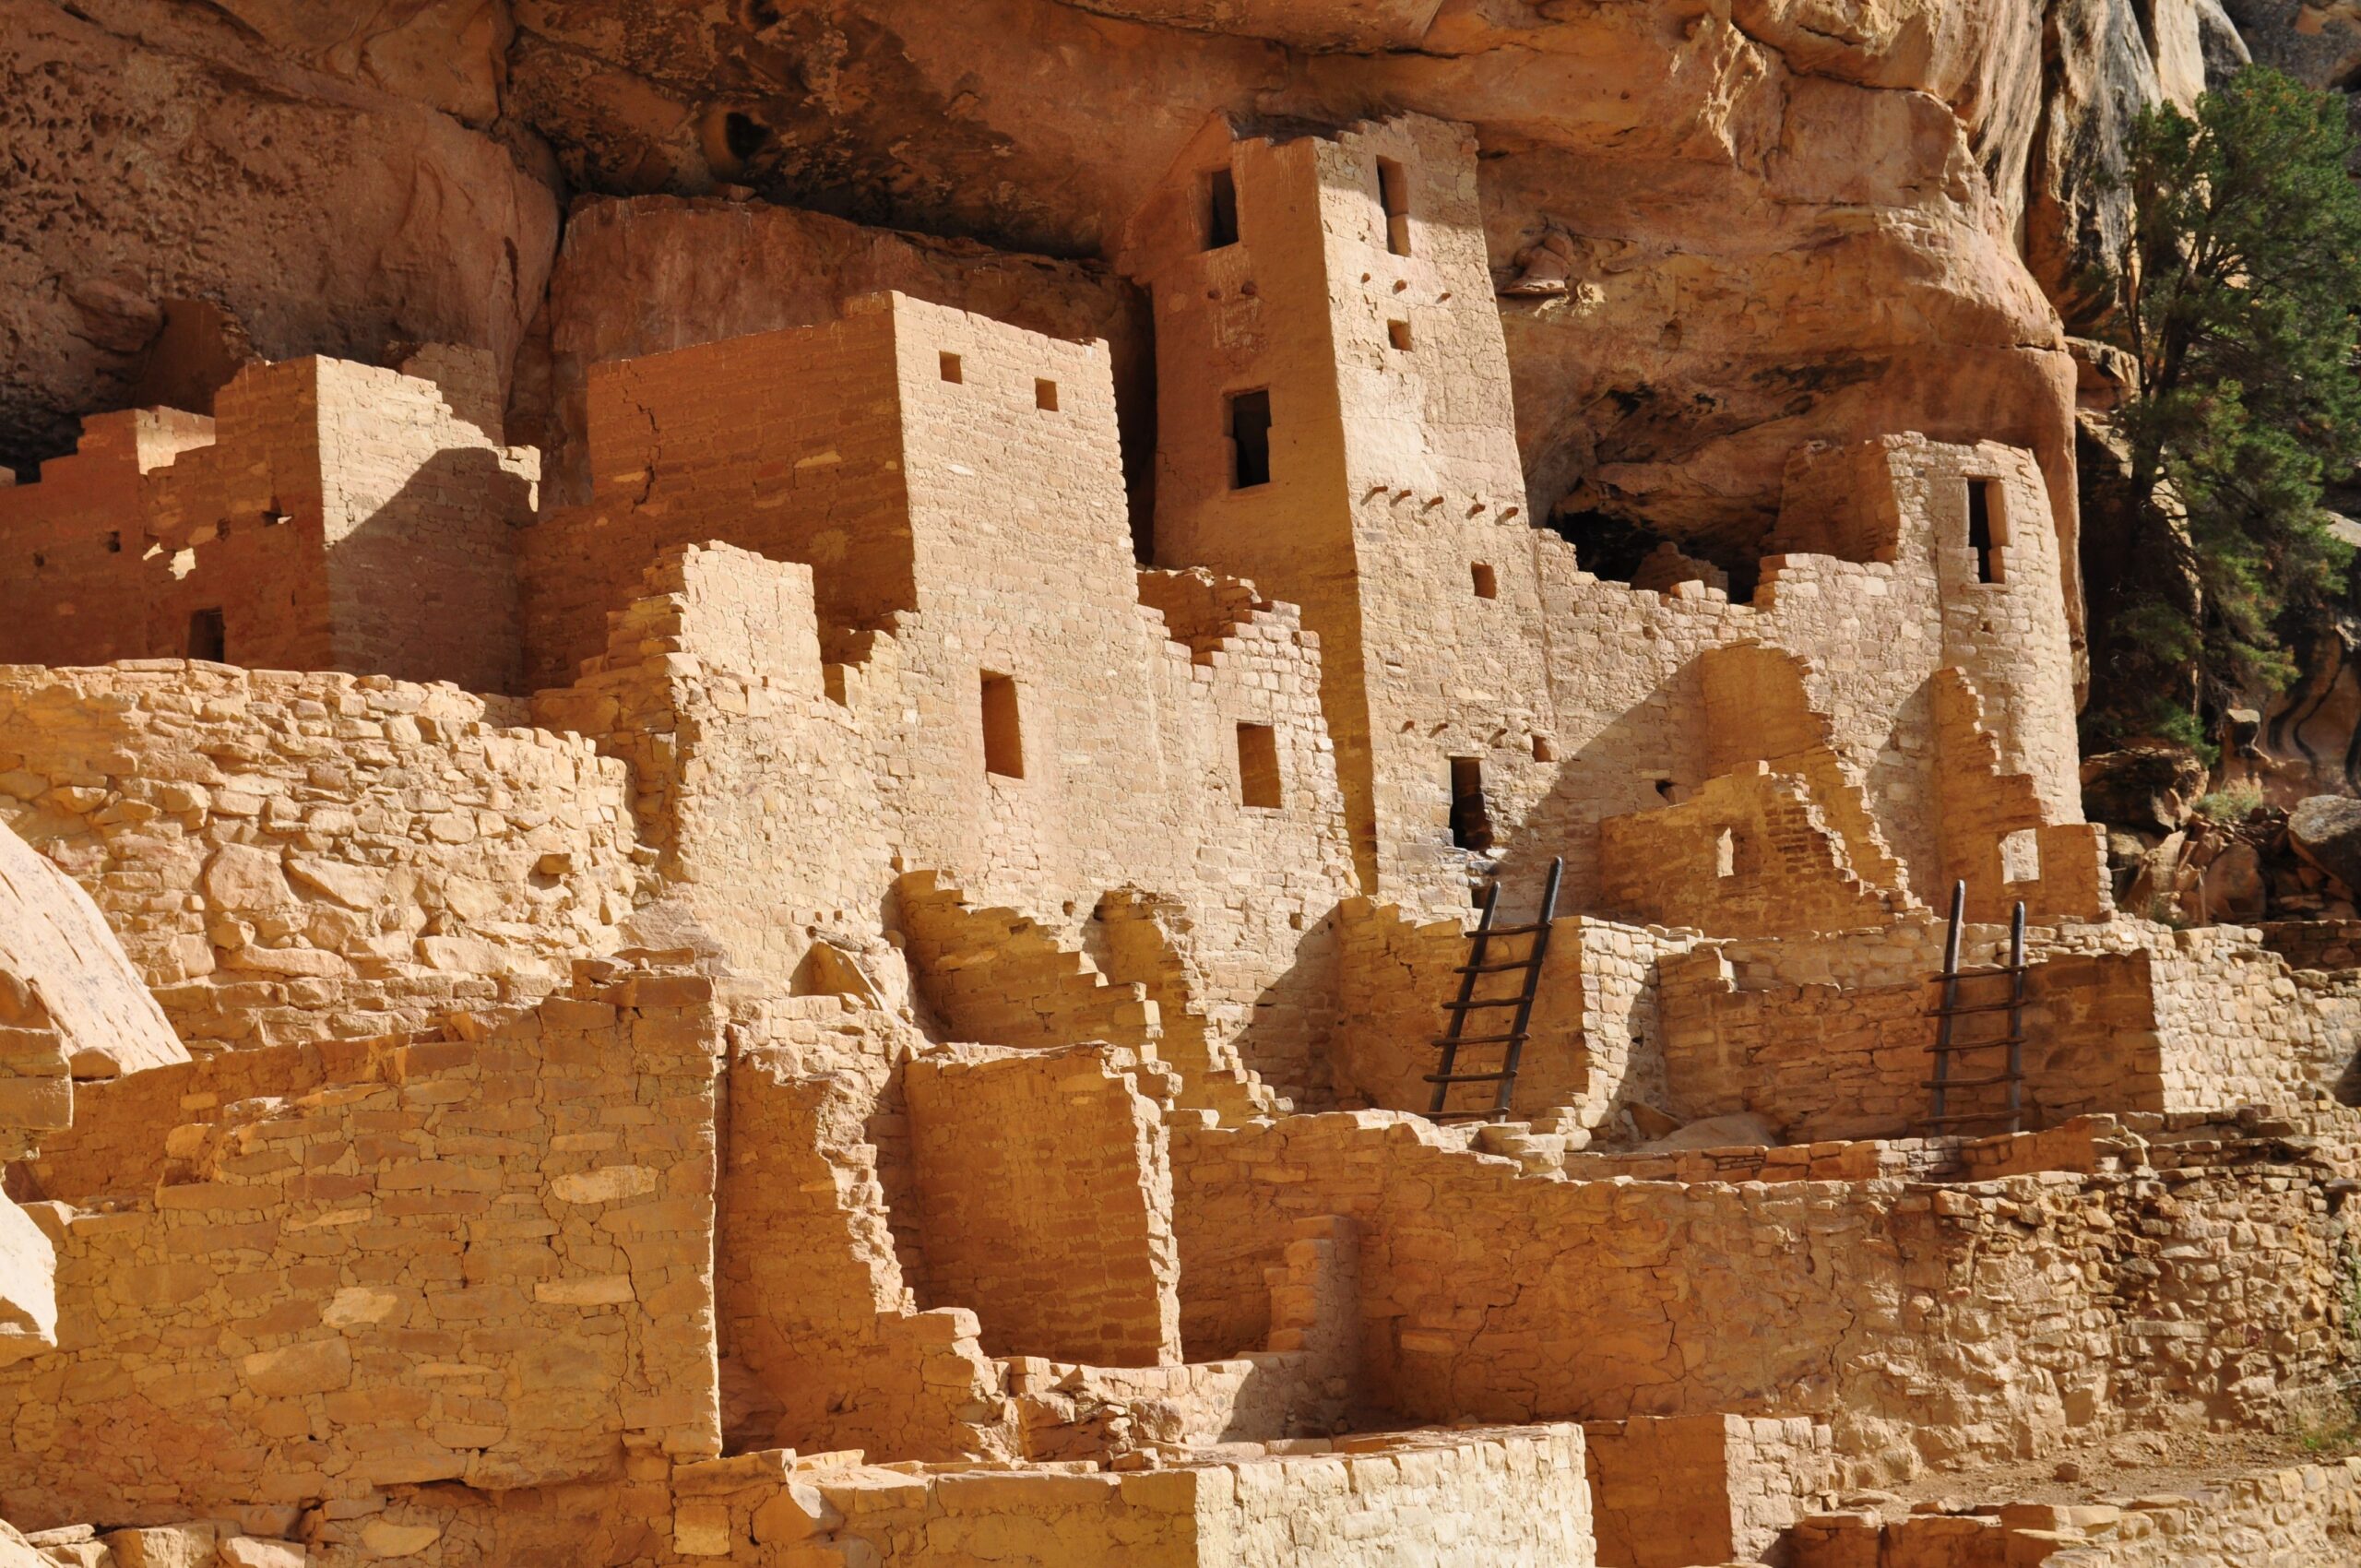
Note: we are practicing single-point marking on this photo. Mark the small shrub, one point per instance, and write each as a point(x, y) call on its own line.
point(2233, 804)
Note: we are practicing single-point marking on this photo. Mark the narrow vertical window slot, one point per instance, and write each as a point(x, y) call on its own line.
point(1471, 819)
point(1004, 732)
point(1394, 202)
point(1250, 439)
point(1982, 536)
point(1221, 210)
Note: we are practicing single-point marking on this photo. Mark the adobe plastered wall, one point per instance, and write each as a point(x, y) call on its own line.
point(333, 515)
point(1490, 1293)
point(291, 856)
point(1000, 552)
point(486, 1259)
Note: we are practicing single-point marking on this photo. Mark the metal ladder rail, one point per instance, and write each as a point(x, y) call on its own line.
point(1947, 1045)
point(1480, 943)
point(1520, 1028)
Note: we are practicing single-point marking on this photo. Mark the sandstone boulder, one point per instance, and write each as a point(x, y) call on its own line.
point(2326, 830)
point(56, 946)
point(28, 1293)
point(2232, 885)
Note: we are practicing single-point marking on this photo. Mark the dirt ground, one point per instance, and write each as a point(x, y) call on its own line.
point(2135, 1464)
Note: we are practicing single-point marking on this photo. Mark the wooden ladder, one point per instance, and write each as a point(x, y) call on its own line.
point(1947, 1013)
point(1480, 962)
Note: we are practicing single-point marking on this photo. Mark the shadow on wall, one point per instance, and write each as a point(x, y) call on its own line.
point(425, 588)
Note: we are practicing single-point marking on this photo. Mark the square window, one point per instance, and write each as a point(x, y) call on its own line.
point(208, 637)
point(1487, 582)
point(1045, 394)
point(1398, 334)
point(951, 368)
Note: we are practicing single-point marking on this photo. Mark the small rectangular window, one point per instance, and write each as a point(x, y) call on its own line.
point(1487, 582)
point(1471, 819)
point(1543, 751)
point(207, 638)
point(1725, 853)
point(1394, 202)
point(1981, 537)
point(1003, 736)
point(1250, 440)
point(951, 368)
point(1221, 210)
point(1258, 765)
point(1398, 334)
point(1045, 396)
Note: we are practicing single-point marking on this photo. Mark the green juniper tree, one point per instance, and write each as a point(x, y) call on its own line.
point(2240, 280)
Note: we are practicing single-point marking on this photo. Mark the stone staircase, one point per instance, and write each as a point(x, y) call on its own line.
point(994, 976)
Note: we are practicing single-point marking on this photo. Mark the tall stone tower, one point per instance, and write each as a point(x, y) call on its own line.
point(1334, 423)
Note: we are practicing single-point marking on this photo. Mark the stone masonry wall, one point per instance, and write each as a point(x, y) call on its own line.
point(487, 1260)
point(1751, 852)
point(1046, 1190)
point(1680, 1491)
point(2304, 1516)
point(1593, 1041)
point(822, 1345)
point(2197, 1020)
point(287, 857)
point(995, 555)
point(1466, 1499)
point(1490, 1293)
point(331, 515)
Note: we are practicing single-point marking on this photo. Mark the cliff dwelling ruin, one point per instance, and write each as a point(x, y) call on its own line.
point(843, 967)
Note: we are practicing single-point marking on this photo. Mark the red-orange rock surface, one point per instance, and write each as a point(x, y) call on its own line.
point(1738, 224)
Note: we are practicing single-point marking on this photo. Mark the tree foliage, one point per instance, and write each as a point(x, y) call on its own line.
point(2240, 280)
